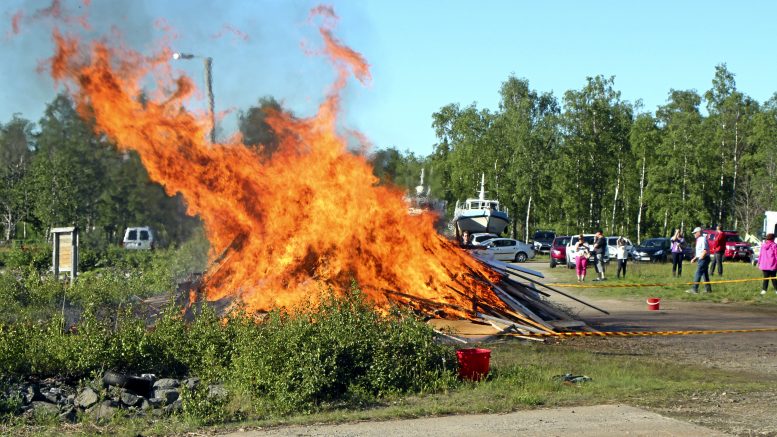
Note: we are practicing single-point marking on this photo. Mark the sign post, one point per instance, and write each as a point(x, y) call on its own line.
point(65, 256)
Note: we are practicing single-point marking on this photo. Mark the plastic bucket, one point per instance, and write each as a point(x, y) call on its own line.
point(653, 303)
point(473, 363)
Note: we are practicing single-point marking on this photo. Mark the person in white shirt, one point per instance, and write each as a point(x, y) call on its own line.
point(622, 256)
point(702, 258)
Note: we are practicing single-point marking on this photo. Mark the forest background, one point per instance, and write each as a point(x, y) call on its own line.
point(588, 160)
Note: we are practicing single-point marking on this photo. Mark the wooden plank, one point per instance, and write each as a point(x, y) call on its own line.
point(566, 324)
point(520, 307)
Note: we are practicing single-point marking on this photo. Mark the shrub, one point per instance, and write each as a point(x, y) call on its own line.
point(342, 350)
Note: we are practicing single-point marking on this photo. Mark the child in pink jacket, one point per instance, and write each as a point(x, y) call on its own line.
point(767, 262)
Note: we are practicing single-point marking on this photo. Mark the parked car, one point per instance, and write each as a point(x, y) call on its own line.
point(572, 253)
point(653, 249)
point(139, 238)
point(612, 247)
point(479, 238)
point(507, 249)
point(736, 248)
point(558, 251)
point(542, 240)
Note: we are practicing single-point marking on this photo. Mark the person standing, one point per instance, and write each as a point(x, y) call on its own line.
point(600, 248)
point(622, 257)
point(718, 249)
point(702, 258)
point(581, 258)
point(767, 262)
point(678, 244)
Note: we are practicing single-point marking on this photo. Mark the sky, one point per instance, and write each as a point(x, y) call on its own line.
point(424, 54)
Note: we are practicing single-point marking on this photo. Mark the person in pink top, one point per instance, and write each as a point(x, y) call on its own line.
point(767, 262)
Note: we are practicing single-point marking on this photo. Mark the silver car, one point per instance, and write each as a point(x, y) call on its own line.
point(507, 249)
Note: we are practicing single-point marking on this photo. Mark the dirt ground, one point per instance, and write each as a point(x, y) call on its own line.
point(723, 413)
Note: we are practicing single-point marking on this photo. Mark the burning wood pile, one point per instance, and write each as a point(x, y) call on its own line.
point(310, 213)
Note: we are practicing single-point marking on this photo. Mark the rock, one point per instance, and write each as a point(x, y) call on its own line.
point(27, 393)
point(145, 405)
point(155, 402)
point(167, 383)
point(217, 391)
point(168, 395)
point(191, 383)
point(175, 407)
point(86, 398)
point(53, 395)
point(103, 412)
point(40, 409)
point(69, 415)
point(129, 399)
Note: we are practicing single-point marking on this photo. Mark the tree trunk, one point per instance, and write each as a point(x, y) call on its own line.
point(641, 198)
point(736, 165)
point(615, 198)
point(528, 216)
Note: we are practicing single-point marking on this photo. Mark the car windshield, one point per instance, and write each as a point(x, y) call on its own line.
point(548, 235)
point(656, 242)
point(561, 241)
point(734, 239)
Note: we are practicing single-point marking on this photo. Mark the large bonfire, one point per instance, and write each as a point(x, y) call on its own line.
point(309, 216)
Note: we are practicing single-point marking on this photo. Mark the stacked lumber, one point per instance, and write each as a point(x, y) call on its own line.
point(528, 311)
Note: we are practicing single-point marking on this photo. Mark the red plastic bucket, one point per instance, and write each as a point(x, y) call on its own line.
point(473, 363)
point(653, 303)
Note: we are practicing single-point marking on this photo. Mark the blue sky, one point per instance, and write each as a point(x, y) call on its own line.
point(423, 54)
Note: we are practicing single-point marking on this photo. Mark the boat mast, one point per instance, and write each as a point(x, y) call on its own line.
point(482, 186)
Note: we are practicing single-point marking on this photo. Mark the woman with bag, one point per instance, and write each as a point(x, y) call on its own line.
point(581, 258)
point(767, 262)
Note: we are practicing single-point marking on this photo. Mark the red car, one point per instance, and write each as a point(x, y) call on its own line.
point(558, 251)
point(736, 248)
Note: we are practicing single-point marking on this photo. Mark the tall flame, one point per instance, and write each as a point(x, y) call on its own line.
point(310, 214)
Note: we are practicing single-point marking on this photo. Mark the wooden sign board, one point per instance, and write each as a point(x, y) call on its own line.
point(65, 256)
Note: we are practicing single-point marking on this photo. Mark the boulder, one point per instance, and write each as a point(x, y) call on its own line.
point(166, 383)
point(68, 415)
point(43, 409)
point(103, 412)
point(86, 398)
point(129, 399)
point(174, 407)
point(168, 395)
point(27, 393)
point(191, 383)
point(53, 395)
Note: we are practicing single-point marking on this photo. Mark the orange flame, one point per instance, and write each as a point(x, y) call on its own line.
point(310, 214)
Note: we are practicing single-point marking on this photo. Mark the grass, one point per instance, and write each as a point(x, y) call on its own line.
point(522, 377)
point(658, 273)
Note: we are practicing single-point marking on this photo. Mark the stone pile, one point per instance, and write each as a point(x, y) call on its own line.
point(143, 395)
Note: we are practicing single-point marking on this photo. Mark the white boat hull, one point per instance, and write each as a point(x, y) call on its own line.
point(477, 221)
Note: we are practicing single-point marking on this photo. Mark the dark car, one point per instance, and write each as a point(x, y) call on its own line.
point(543, 240)
point(653, 249)
point(558, 251)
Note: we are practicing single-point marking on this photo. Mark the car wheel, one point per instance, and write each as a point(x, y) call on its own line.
point(520, 257)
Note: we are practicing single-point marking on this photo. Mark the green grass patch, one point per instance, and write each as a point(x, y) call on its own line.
point(658, 273)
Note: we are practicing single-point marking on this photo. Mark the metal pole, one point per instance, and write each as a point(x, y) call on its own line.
point(209, 85)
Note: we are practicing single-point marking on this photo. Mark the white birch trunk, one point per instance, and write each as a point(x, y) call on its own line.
point(528, 215)
point(641, 197)
point(615, 198)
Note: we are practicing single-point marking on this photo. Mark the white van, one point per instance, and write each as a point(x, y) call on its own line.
point(139, 238)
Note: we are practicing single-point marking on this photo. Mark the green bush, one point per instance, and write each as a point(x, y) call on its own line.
point(22, 255)
point(341, 351)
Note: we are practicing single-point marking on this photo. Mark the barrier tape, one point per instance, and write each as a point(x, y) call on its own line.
point(636, 333)
point(722, 281)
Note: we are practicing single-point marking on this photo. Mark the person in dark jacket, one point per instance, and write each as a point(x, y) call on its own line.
point(600, 249)
point(718, 250)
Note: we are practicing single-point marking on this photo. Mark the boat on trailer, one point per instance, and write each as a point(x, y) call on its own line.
point(479, 214)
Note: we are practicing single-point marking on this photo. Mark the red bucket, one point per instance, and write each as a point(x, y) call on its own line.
point(653, 303)
point(473, 363)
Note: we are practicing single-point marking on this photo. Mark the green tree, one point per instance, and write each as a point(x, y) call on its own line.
point(15, 154)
